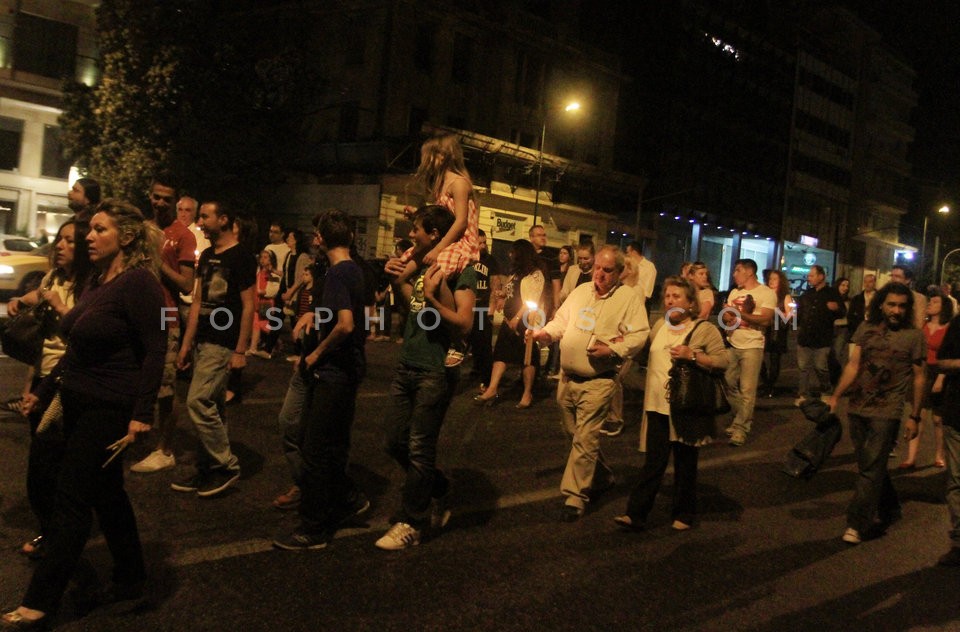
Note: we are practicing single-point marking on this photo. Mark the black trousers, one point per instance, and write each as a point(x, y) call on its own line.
point(43, 469)
point(84, 487)
point(325, 449)
point(685, 459)
point(481, 344)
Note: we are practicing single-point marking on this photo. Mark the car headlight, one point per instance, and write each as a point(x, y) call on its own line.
point(6, 270)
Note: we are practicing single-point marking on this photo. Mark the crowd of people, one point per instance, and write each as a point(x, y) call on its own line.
point(107, 376)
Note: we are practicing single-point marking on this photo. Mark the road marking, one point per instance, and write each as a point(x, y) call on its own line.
point(250, 547)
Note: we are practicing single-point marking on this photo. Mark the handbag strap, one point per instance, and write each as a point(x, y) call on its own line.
point(686, 340)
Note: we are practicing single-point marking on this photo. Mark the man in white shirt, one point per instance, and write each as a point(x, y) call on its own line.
point(187, 215)
point(599, 325)
point(276, 245)
point(582, 272)
point(643, 281)
point(749, 310)
point(646, 271)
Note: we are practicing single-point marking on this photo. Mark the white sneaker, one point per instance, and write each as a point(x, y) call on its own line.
point(851, 536)
point(400, 536)
point(154, 462)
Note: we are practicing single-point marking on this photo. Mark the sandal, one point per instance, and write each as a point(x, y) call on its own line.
point(456, 354)
point(14, 405)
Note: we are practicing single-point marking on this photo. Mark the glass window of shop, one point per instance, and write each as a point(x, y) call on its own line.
point(796, 263)
point(760, 250)
point(672, 249)
point(716, 250)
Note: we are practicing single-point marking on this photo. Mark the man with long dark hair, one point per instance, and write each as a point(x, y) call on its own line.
point(886, 359)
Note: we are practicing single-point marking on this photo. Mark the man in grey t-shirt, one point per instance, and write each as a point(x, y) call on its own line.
point(887, 358)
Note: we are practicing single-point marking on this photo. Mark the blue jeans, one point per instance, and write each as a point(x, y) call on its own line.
point(290, 421)
point(811, 359)
point(418, 403)
point(873, 493)
point(205, 399)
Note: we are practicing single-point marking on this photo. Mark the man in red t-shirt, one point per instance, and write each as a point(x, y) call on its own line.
point(177, 255)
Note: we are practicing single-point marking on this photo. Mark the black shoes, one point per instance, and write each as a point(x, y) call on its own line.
point(950, 558)
point(569, 513)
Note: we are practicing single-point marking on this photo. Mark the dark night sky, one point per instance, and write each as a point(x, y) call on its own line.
point(927, 34)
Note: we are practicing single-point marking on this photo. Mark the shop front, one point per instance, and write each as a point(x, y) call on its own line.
point(797, 260)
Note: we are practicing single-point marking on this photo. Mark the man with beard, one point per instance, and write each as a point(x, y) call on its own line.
point(221, 317)
point(177, 254)
point(886, 358)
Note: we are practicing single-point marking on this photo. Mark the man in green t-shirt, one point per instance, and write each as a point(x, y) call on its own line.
point(423, 387)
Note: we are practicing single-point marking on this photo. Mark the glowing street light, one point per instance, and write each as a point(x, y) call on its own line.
point(573, 106)
point(943, 210)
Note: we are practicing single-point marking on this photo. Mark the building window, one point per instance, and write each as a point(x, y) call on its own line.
point(462, 59)
point(418, 116)
point(349, 121)
point(527, 80)
point(54, 164)
point(356, 40)
point(11, 136)
point(45, 47)
point(423, 50)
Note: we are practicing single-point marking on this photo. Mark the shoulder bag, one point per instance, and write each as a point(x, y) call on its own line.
point(22, 336)
point(693, 390)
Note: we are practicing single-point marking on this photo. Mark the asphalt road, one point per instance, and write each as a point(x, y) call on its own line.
point(767, 554)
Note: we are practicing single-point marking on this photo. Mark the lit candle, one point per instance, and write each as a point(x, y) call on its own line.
point(533, 320)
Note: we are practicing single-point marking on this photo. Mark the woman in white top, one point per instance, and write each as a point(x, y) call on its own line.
point(43, 462)
point(661, 433)
point(699, 275)
point(523, 289)
point(775, 344)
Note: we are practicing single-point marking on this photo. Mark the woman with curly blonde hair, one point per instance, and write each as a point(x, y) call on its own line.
point(108, 383)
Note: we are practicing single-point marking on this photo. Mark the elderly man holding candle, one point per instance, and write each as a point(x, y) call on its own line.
point(598, 326)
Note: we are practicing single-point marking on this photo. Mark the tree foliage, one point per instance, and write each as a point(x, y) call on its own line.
point(183, 90)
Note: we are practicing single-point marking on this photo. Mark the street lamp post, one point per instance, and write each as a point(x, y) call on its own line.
point(943, 210)
point(570, 107)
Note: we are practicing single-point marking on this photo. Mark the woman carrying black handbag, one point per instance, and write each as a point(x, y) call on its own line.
point(59, 291)
point(664, 430)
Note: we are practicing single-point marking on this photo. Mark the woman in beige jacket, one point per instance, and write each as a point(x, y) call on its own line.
point(662, 433)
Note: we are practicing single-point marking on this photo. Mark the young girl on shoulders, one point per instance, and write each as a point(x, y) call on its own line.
point(446, 182)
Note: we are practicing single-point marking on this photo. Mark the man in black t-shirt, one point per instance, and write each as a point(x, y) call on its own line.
point(220, 321)
point(481, 336)
point(817, 308)
point(948, 363)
